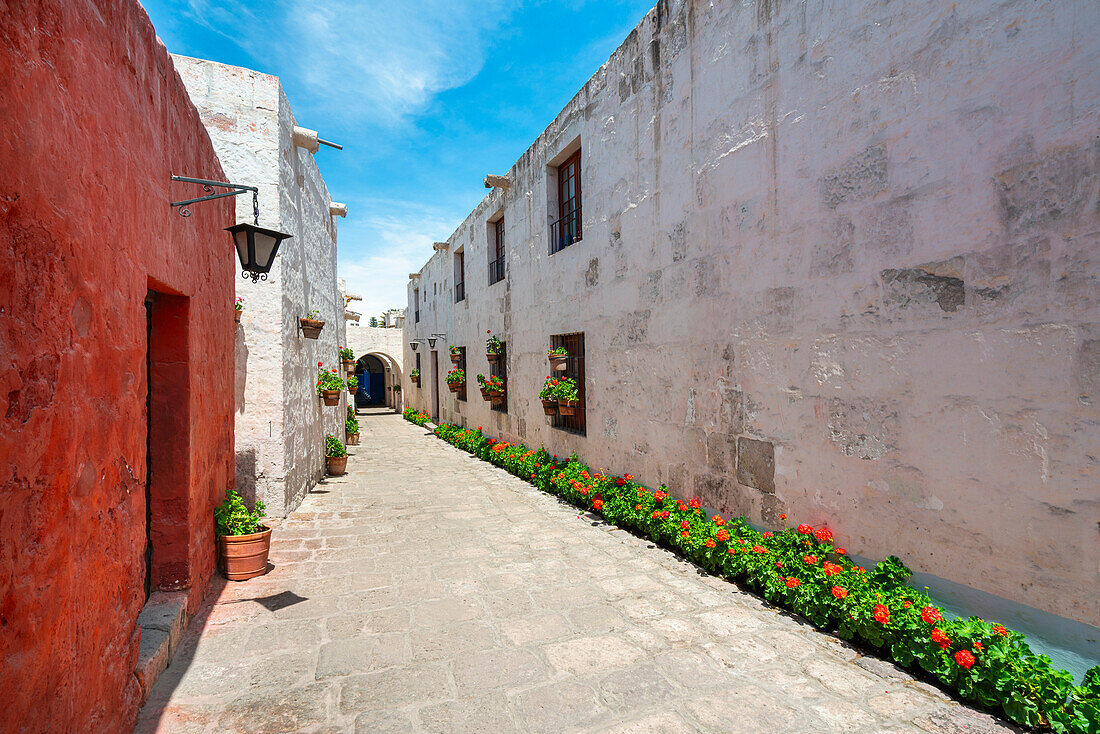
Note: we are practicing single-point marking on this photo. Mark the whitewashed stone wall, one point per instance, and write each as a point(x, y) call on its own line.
point(840, 261)
point(388, 344)
point(280, 422)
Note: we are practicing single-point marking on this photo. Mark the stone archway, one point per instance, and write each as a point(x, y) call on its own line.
point(378, 372)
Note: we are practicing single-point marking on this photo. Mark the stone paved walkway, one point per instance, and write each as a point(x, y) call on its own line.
point(429, 591)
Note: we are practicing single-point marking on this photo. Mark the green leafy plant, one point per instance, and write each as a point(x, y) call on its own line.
point(347, 354)
point(353, 383)
point(454, 349)
point(802, 569)
point(418, 417)
point(351, 425)
point(492, 344)
point(557, 352)
point(565, 390)
point(456, 377)
point(494, 384)
point(333, 447)
point(328, 380)
point(234, 518)
point(397, 388)
point(351, 411)
point(547, 391)
point(239, 304)
point(415, 374)
point(313, 315)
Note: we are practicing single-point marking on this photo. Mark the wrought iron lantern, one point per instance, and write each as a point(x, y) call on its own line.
point(256, 246)
point(414, 344)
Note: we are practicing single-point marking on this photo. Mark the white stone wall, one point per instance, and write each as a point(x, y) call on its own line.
point(840, 261)
point(280, 423)
point(388, 344)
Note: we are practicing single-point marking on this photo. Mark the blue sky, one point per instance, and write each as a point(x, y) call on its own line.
point(427, 96)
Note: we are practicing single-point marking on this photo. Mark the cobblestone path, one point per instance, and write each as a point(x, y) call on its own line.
point(429, 591)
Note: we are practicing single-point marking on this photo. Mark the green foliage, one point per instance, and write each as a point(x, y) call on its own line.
point(456, 377)
point(397, 387)
point(347, 354)
point(329, 380)
point(418, 417)
point(351, 411)
point(333, 447)
point(351, 425)
point(353, 383)
point(415, 373)
point(557, 352)
point(565, 390)
point(313, 315)
point(547, 391)
point(234, 518)
point(802, 570)
point(454, 349)
point(493, 345)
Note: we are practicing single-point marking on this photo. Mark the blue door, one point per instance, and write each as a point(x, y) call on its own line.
point(377, 388)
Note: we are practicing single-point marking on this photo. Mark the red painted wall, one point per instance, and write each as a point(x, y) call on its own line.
point(94, 122)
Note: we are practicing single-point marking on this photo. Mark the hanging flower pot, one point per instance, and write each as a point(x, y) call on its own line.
point(492, 357)
point(331, 397)
point(564, 390)
point(558, 358)
point(347, 359)
point(415, 379)
point(311, 325)
point(550, 407)
point(238, 309)
point(329, 385)
point(353, 384)
point(456, 356)
point(497, 398)
point(485, 394)
point(456, 379)
point(567, 407)
point(493, 347)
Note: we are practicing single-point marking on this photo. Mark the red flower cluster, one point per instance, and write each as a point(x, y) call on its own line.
point(839, 551)
point(792, 582)
point(1000, 630)
point(597, 504)
point(940, 638)
point(628, 477)
point(766, 534)
point(722, 535)
point(805, 529)
point(840, 592)
point(811, 560)
point(693, 504)
point(825, 536)
point(759, 549)
point(659, 495)
point(931, 615)
point(684, 524)
point(711, 543)
point(882, 614)
point(965, 659)
point(619, 481)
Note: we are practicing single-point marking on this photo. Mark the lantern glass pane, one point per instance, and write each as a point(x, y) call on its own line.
point(265, 251)
point(240, 239)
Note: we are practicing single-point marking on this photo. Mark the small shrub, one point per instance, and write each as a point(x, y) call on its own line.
point(347, 354)
point(234, 518)
point(333, 447)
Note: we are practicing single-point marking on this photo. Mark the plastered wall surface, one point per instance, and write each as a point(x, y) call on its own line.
point(280, 422)
point(97, 122)
point(838, 262)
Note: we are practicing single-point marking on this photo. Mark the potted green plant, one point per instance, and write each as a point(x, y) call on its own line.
point(481, 386)
point(456, 355)
point(238, 309)
point(329, 385)
point(347, 358)
point(546, 395)
point(414, 376)
point(353, 384)
point(336, 456)
point(495, 386)
point(493, 347)
point(351, 430)
point(558, 356)
point(311, 325)
point(243, 543)
point(456, 378)
point(565, 392)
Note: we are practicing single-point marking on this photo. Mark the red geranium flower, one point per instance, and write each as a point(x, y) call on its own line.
point(940, 638)
point(693, 504)
point(809, 559)
point(710, 543)
point(664, 515)
point(767, 534)
point(619, 482)
point(840, 592)
point(1000, 630)
point(824, 535)
point(792, 582)
point(759, 549)
point(783, 516)
point(882, 614)
point(719, 521)
point(598, 504)
point(637, 507)
point(779, 564)
point(978, 646)
point(731, 551)
point(723, 535)
point(320, 364)
point(684, 533)
point(839, 551)
point(805, 529)
point(931, 615)
point(655, 514)
point(684, 524)
point(628, 477)
point(659, 496)
point(964, 658)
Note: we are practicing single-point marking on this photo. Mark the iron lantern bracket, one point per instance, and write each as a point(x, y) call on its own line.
point(208, 187)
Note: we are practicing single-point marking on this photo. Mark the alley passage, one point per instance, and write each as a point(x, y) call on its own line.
point(429, 591)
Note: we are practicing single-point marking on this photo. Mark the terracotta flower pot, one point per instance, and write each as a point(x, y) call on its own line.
point(353, 440)
point(349, 365)
point(492, 356)
point(237, 314)
point(455, 359)
point(244, 556)
point(336, 465)
point(557, 362)
point(415, 381)
point(567, 407)
point(455, 386)
point(550, 407)
point(311, 329)
point(497, 398)
point(331, 397)
point(485, 395)
point(353, 390)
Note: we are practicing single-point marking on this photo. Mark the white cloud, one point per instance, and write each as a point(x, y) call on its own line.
point(401, 245)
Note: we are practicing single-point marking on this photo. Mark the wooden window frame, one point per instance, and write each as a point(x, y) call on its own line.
point(460, 276)
point(574, 367)
point(496, 265)
point(569, 230)
point(461, 394)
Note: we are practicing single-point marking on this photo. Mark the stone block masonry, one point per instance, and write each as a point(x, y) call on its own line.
point(280, 423)
point(838, 263)
point(112, 411)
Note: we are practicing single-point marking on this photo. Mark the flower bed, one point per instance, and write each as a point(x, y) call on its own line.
point(802, 569)
point(418, 417)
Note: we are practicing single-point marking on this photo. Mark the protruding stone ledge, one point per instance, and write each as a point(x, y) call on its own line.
point(162, 621)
